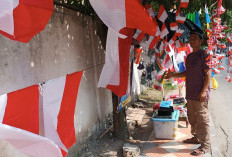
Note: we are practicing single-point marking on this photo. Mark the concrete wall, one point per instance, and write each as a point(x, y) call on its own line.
point(68, 44)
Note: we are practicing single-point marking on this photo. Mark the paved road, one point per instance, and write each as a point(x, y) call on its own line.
point(220, 107)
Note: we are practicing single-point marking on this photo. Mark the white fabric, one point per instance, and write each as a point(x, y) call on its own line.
point(163, 16)
point(184, 1)
point(149, 42)
point(3, 102)
point(164, 33)
point(180, 57)
point(52, 96)
point(137, 33)
point(6, 15)
point(135, 80)
point(111, 12)
point(151, 12)
point(180, 18)
point(29, 143)
point(110, 73)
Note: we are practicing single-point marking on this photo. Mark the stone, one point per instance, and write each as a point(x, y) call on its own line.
point(130, 150)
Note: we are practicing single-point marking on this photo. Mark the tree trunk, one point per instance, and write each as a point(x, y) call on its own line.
point(119, 120)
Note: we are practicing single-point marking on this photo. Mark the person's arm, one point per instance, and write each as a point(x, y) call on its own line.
point(203, 94)
point(175, 75)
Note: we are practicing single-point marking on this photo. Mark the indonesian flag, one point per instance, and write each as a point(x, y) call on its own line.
point(39, 120)
point(172, 40)
point(229, 39)
point(162, 16)
point(117, 14)
point(184, 3)
point(164, 31)
point(150, 10)
point(180, 19)
point(21, 20)
point(174, 26)
point(139, 35)
point(124, 53)
point(179, 32)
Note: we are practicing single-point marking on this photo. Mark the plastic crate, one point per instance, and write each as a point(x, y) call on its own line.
point(166, 128)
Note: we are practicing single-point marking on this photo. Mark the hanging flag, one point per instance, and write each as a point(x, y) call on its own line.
point(207, 15)
point(150, 10)
point(184, 3)
point(139, 35)
point(110, 71)
point(28, 143)
point(174, 26)
point(124, 13)
point(180, 19)
point(191, 16)
point(179, 32)
point(124, 53)
point(162, 16)
point(164, 31)
point(21, 20)
point(197, 20)
point(42, 113)
point(17, 102)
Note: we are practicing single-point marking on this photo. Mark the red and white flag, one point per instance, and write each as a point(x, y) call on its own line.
point(174, 26)
point(164, 31)
point(118, 15)
point(180, 19)
point(184, 3)
point(42, 115)
point(139, 35)
point(150, 10)
point(124, 53)
point(21, 20)
point(179, 32)
point(162, 16)
point(124, 13)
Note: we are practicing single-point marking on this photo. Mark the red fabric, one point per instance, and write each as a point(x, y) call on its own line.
point(219, 3)
point(137, 17)
point(153, 42)
point(162, 15)
point(140, 36)
point(30, 17)
point(22, 110)
point(138, 54)
point(124, 52)
point(65, 125)
point(184, 3)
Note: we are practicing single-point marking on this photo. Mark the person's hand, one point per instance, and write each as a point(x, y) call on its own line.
point(203, 96)
point(168, 75)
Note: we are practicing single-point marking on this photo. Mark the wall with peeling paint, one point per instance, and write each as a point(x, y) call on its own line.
point(68, 44)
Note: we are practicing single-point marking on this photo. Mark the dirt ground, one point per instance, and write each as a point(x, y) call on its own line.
point(109, 146)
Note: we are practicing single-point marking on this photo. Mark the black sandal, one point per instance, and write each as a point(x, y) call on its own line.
point(192, 140)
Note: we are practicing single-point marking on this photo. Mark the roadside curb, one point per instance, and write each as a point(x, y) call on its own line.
point(215, 152)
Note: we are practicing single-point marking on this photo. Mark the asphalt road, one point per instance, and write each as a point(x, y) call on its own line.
point(220, 107)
